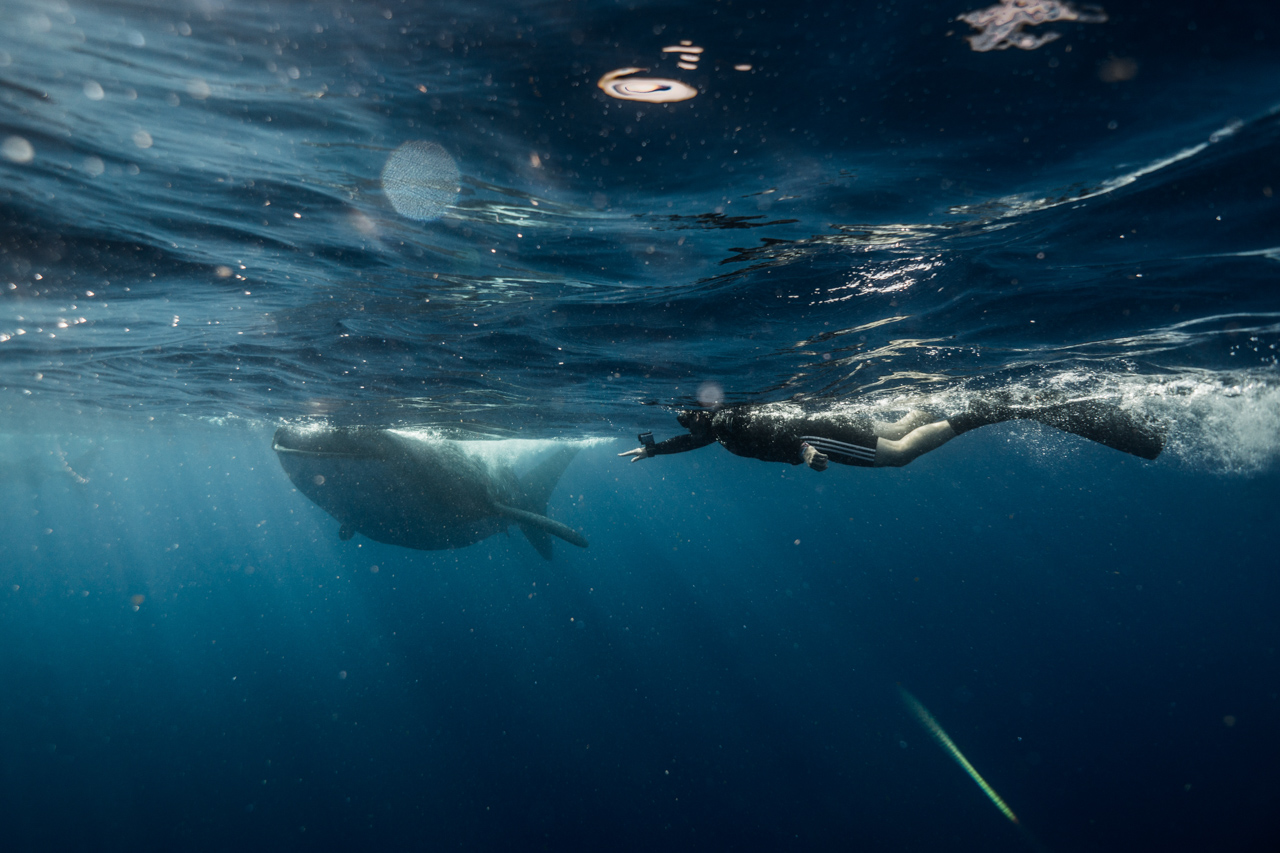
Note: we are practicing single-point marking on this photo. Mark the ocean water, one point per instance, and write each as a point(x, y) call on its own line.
point(221, 217)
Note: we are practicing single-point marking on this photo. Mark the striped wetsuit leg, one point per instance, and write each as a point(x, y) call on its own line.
point(844, 452)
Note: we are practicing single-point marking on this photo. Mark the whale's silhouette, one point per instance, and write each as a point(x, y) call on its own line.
point(416, 492)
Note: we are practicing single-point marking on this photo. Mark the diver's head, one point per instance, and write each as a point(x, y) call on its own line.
point(694, 420)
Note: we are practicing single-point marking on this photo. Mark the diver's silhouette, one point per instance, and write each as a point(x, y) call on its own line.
point(794, 433)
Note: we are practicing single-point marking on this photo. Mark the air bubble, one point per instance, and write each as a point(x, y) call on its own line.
point(421, 180)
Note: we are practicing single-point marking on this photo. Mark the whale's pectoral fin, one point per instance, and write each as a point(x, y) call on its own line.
point(536, 527)
point(538, 538)
point(539, 483)
point(536, 488)
point(345, 532)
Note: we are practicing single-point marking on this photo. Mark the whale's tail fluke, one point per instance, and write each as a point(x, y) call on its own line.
point(532, 515)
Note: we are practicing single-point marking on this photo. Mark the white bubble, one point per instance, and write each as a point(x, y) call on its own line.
point(94, 166)
point(142, 139)
point(198, 89)
point(421, 180)
point(17, 149)
point(363, 223)
point(93, 90)
point(710, 394)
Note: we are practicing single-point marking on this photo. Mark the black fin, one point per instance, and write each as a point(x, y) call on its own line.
point(1105, 423)
point(345, 533)
point(1102, 421)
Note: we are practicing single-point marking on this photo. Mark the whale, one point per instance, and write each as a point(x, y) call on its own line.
point(420, 492)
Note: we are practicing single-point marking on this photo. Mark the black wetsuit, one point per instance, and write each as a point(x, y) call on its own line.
point(775, 432)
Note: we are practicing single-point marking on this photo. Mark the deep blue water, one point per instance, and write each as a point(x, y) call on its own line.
point(201, 238)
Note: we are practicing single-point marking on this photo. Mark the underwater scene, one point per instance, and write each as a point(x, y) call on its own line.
point(431, 425)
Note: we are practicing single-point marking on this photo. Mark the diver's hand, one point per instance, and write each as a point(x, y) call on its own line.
point(637, 454)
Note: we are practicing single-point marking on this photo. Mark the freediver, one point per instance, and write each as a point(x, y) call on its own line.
point(792, 433)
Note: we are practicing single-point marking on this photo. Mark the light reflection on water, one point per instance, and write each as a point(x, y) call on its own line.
point(654, 90)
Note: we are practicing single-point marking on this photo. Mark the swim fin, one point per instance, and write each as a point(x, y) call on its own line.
point(1094, 419)
point(1104, 423)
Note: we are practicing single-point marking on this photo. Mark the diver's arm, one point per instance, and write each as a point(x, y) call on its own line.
point(678, 444)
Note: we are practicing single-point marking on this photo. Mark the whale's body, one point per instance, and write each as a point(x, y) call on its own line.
point(429, 494)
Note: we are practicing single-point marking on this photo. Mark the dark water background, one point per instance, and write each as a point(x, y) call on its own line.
point(195, 245)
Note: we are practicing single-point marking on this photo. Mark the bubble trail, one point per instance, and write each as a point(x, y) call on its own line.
point(945, 741)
